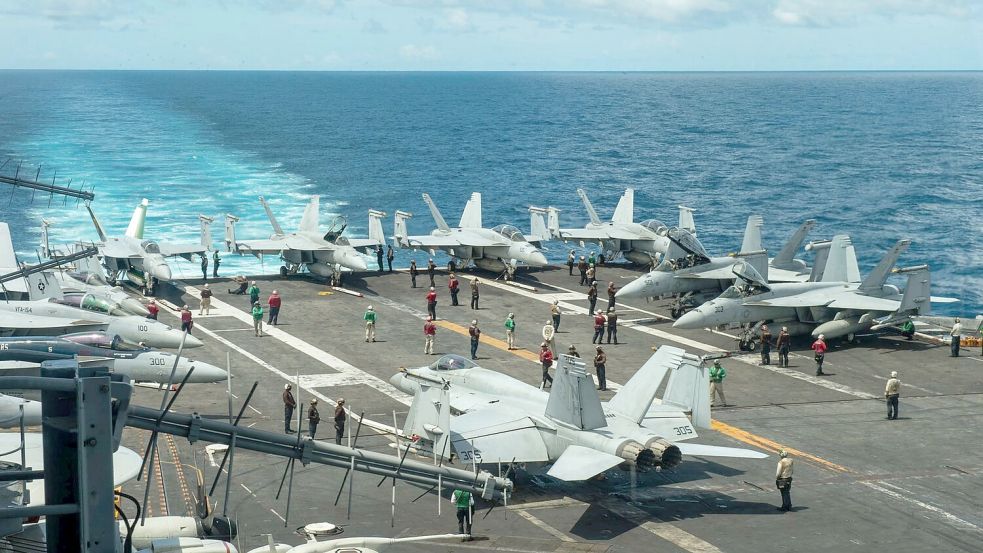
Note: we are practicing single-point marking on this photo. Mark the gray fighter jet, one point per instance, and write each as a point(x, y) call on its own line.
point(642, 243)
point(833, 306)
point(687, 268)
point(505, 419)
point(44, 316)
point(138, 258)
point(323, 253)
point(495, 249)
point(139, 363)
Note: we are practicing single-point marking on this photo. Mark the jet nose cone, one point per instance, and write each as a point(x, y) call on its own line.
point(537, 259)
point(207, 373)
point(693, 319)
point(634, 289)
point(192, 342)
point(355, 262)
point(161, 272)
point(134, 307)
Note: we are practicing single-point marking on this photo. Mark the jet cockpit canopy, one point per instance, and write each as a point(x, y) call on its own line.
point(510, 232)
point(749, 282)
point(452, 362)
point(150, 246)
point(655, 226)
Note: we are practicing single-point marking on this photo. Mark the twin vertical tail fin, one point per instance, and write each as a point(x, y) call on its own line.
point(835, 268)
point(206, 231)
point(277, 229)
point(399, 228)
point(40, 287)
point(786, 257)
point(683, 390)
point(310, 222)
point(573, 396)
point(375, 226)
point(875, 279)
point(686, 221)
point(8, 259)
point(687, 389)
point(230, 233)
point(916, 299)
point(625, 211)
point(438, 219)
point(95, 222)
point(471, 217)
point(538, 230)
point(137, 221)
point(428, 423)
point(594, 219)
point(752, 234)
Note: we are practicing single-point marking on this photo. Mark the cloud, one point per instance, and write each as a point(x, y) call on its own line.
point(833, 13)
point(417, 53)
point(458, 20)
point(373, 27)
point(114, 15)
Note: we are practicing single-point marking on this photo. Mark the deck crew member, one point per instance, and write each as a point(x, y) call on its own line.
point(475, 333)
point(206, 301)
point(546, 359)
point(186, 321)
point(820, 347)
point(765, 345)
point(313, 417)
point(379, 254)
point(204, 267)
point(600, 360)
point(555, 314)
point(474, 293)
point(274, 302)
point(431, 270)
point(717, 376)
point(783, 343)
point(908, 329)
point(592, 298)
point(153, 310)
point(591, 275)
point(510, 331)
point(454, 286)
point(390, 255)
point(429, 335)
point(599, 323)
point(891, 392)
point(572, 351)
point(582, 267)
point(613, 326)
point(369, 319)
point(432, 303)
point(783, 480)
point(288, 407)
point(413, 272)
point(955, 334)
point(339, 421)
point(257, 314)
point(216, 261)
point(465, 512)
point(548, 334)
point(253, 293)
point(612, 290)
point(570, 262)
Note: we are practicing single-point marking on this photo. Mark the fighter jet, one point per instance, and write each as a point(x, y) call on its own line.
point(505, 419)
point(495, 249)
point(323, 253)
point(138, 258)
point(688, 269)
point(44, 316)
point(139, 363)
point(833, 306)
point(642, 243)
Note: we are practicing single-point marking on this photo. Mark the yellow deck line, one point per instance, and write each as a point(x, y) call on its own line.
point(765, 443)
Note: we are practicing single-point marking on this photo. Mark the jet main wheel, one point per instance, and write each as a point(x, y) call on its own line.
point(747, 345)
point(284, 271)
point(677, 312)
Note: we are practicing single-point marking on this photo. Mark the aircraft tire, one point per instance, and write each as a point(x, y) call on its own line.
point(283, 270)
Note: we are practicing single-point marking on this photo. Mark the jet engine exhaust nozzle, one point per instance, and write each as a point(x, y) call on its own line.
point(666, 455)
point(636, 454)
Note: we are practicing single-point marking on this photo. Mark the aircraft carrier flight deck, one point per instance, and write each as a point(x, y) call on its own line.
point(861, 483)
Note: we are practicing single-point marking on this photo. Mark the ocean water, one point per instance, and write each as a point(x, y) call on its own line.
point(878, 156)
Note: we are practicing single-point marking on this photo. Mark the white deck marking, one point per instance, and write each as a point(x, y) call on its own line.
point(751, 359)
point(906, 385)
point(542, 525)
point(907, 499)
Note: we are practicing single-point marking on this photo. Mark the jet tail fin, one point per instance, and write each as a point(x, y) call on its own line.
point(687, 389)
point(876, 278)
point(8, 259)
point(206, 231)
point(438, 219)
point(375, 226)
point(311, 219)
point(835, 269)
point(573, 397)
point(538, 230)
point(471, 216)
point(820, 249)
point(917, 296)
point(786, 257)
point(230, 232)
point(553, 221)
point(40, 287)
point(399, 228)
point(625, 211)
point(95, 222)
point(138, 220)
point(45, 242)
point(752, 234)
point(277, 229)
point(634, 398)
point(594, 219)
point(429, 420)
point(686, 221)
point(758, 261)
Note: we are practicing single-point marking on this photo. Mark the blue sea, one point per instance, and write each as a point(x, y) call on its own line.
point(878, 156)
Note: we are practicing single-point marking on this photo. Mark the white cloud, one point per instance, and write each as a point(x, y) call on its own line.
point(458, 19)
point(417, 53)
point(830, 13)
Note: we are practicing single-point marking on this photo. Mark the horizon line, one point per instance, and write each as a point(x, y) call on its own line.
point(273, 70)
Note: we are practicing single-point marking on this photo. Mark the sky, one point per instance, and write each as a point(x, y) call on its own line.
point(493, 35)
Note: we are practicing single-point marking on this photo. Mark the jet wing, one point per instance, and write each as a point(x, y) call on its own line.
point(185, 250)
point(720, 273)
point(865, 303)
point(451, 241)
point(275, 246)
point(117, 250)
point(586, 234)
point(580, 463)
point(19, 321)
point(701, 450)
point(785, 275)
point(362, 243)
point(497, 433)
point(816, 298)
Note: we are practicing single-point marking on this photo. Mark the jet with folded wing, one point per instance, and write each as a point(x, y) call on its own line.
point(504, 420)
point(688, 269)
point(323, 253)
point(642, 243)
point(491, 249)
point(136, 257)
point(834, 306)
